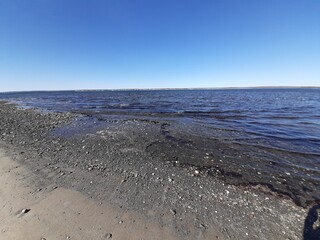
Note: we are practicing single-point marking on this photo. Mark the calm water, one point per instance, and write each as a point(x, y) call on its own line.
point(284, 120)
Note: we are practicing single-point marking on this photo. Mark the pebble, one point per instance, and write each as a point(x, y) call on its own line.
point(203, 226)
point(25, 210)
point(174, 212)
point(108, 236)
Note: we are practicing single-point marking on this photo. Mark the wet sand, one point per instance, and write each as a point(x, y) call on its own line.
point(137, 192)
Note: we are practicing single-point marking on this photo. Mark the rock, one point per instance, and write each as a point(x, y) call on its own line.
point(203, 226)
point(25, 210)
point(108, 236)
point(174, 212)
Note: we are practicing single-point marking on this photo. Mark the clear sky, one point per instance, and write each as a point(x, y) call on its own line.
point(103, 44)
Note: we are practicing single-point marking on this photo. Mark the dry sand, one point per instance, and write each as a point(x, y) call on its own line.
point(61, 213)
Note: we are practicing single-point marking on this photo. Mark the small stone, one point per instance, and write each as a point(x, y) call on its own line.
point(203, 226)
point(25, 210)
point(108, 236)
point(174, 212)
point(196, 172)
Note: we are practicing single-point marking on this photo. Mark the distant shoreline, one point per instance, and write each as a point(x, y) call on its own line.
point(168, 89)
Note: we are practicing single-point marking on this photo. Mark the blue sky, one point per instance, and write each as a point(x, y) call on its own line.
point(105, 44)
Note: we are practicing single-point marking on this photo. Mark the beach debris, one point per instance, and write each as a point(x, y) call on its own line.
point(43, 238)
point(196, 173)
point(108, 236)
point(25, 210)
point(67, 237)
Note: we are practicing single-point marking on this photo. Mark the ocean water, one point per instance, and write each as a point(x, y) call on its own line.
point(286, 118)
point(284, 122)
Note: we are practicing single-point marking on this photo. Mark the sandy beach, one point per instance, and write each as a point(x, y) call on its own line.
point(86, 187)
point(59, 213)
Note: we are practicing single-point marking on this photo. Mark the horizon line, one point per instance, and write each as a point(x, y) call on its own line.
point(159, 89)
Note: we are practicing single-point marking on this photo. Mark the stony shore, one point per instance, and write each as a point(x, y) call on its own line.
point(116, 166)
